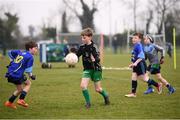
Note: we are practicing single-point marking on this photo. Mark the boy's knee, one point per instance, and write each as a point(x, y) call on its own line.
point(19, 90)
point(83, 87)
point(28, 83)
point(98, 90)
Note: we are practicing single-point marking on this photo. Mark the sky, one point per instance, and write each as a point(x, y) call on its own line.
point(113, 16)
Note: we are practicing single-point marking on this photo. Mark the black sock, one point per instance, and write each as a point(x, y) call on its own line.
point(134, 86)
point(152, 82)
point(12, 98)
point(23, 95)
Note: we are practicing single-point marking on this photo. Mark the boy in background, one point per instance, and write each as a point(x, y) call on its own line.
point(139, 66)
point(151, 51)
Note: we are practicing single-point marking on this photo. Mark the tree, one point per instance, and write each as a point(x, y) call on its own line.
point(31, 30)
point(162, 8)
point(64, 27)
point(134, 6)
point(7, 27)
point(49, 33)
point(86, 18)
point(149, 20)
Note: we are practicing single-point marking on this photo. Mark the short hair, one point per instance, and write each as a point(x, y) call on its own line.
point(30, 44)
point(150, 38)
point(140, 35)
point(87, 32)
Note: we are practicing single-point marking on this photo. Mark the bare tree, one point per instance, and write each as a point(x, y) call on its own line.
point(64, 24)
point(149, 20)
point(86, 18)
point(162, 7)
point(134, 6)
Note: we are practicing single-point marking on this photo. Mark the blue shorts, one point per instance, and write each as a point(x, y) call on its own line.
point(17, 81)
point(141, 68)
point(154, 68)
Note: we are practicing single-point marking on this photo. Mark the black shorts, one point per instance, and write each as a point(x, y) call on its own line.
point(154, 69)
point(141, 68)
point(16, 81)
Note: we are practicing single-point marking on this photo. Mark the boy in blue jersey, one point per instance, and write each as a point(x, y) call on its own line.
point(151, 51)
point(139, 66)
point(21, 61)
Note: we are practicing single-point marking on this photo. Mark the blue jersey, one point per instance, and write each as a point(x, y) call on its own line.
point(137, 52)
point(20, 62)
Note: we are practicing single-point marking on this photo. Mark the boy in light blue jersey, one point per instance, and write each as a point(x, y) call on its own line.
point(139, 66)
point(21, 61)
point(151, 51)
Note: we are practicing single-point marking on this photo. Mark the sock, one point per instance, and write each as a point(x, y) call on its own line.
point(152, 82)
point(86, 95)
point(12, 98)
point(103, 93)
point(23, 95)
point(134, 86)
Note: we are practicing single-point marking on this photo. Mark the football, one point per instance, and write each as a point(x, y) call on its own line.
point(71, 59)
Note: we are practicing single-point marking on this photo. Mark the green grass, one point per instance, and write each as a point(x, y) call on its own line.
point(56, 93)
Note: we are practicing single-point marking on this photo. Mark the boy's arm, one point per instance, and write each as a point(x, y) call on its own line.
point(95, 54)
point(140, 56)
point(161, 49)
point(29, 68)
point(135, 63)
point(79, 52)
point(13, 54)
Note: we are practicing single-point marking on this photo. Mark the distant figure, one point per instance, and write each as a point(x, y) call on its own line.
point(114, 45)
point(66, 48)
point(169, 49)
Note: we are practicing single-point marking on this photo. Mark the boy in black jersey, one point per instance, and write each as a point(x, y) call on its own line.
point(92, 68)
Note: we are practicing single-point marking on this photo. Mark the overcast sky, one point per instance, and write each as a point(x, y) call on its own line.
point(35, 12)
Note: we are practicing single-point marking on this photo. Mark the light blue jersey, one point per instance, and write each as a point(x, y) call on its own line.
point(151, 51)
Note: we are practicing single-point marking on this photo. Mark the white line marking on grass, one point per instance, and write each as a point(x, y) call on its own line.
point(116, 68)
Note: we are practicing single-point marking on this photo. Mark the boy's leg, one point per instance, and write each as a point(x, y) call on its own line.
point(164, 81)
point(134, 86)
point(9, 103)
point(149, 89)
point(84, 85)
point(24, 93)
point(99, 89)
point(152, 82)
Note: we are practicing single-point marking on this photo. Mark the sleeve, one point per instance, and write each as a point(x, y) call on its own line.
point(79, 52)
point(29, 66)
point(96, 53)
point(161, 49)
point(13, 54)
point(140, 52)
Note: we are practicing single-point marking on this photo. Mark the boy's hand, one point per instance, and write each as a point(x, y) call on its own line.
point(33, 77)
point(133, 65)
point(162, 60)
point(92, 58)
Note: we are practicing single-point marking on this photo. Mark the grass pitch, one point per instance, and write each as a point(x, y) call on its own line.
point(56, 93)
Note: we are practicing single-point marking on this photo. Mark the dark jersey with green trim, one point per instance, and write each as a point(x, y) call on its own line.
point(86, 51)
